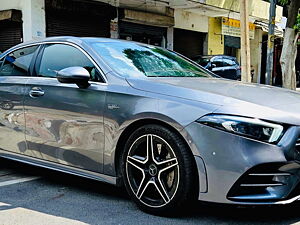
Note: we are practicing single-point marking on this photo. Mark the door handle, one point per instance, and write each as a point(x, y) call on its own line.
point(36, 92)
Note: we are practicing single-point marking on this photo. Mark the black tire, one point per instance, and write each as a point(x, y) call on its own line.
point(166, 189)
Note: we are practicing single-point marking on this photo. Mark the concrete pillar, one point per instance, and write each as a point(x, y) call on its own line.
point(170, 38)
point(238, 55)
point(205, 45)
point(114, 28)
point(215, 37)
point(255, 46)
point(34, 21)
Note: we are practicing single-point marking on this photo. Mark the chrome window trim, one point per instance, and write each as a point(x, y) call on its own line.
point(66, 43)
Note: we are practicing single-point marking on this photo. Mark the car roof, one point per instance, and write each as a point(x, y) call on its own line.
point(71, 39)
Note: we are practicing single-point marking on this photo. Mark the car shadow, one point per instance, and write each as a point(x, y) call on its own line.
point(94, 202)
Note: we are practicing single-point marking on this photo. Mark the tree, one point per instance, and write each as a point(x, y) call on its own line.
point(289, 49)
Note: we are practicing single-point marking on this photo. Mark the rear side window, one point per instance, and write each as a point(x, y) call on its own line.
point(60, 56)
point(17, 63)
point(218, 62)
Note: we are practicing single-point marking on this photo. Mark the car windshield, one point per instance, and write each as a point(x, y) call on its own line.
point(135, 60)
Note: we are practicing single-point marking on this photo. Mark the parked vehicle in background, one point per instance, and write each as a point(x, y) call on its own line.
point(222, 65)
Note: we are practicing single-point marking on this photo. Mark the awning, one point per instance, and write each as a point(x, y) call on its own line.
point(265, 27)
point(12, 15)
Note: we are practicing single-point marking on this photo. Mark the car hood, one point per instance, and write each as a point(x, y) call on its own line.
point(233, 97)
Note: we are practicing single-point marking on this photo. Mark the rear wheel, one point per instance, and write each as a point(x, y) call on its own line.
point(158, 170)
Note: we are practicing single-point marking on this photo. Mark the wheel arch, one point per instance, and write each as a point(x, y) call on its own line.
point(135, 125)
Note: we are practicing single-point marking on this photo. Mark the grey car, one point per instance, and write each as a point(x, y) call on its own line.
point(149, 119)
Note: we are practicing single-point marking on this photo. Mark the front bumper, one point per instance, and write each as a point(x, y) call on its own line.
point(238, 170)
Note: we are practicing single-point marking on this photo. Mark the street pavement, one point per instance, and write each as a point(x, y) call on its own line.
point(36, 196)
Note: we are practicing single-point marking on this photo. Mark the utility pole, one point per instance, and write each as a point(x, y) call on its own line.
point(245, 42)
point(270, 52)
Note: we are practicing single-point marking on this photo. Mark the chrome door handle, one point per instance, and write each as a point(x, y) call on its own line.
point(36, 92)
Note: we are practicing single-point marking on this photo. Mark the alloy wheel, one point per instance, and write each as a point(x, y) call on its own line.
point(152, 170)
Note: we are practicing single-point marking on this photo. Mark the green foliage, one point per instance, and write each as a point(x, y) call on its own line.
point(283, 2)
point(297, 25)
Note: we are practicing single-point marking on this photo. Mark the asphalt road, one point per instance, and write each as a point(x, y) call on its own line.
point(35, 196)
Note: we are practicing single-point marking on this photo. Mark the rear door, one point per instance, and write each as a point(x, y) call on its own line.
point(14, 73)
point(64, 123)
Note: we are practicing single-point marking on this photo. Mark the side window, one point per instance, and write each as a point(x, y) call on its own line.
point(17, 63)
point(60, 56)
point(218, 62)
point(228, 62)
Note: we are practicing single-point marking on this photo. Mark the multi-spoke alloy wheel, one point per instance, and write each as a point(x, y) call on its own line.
point(152, 170)
point(157, 169)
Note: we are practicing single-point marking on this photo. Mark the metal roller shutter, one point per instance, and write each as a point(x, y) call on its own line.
point(68, 25)
point(188, 43)
point(78, 18)
point(10, 34)
point(134, 28)
point(142, 33)
point(11, 31)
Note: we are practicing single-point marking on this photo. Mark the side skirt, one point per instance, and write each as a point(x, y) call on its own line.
point(58, 167)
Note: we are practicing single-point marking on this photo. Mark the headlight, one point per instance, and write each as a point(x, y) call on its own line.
point(249, 127)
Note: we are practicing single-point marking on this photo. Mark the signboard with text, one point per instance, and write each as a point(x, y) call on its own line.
point(232, 27)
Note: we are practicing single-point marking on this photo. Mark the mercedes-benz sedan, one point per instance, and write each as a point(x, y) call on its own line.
point(149, 119)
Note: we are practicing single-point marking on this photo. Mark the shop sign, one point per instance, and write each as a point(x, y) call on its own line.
point(232, 27)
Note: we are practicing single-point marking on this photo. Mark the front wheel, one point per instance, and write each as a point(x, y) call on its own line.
point(158, 170)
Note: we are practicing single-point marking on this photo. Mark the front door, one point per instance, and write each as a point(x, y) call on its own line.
point(218, 66)
point(230, 70)
point(64, 123)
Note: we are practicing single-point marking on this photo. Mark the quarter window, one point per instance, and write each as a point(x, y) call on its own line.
point(59, 56)
point(17, 63)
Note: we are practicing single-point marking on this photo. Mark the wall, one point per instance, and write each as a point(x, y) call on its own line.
point(215, 38)
point(33, 16)
point(190, 21)
point(257, 8)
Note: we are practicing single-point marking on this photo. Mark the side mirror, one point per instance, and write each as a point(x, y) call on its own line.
point(213, 65)
point(74, 75)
